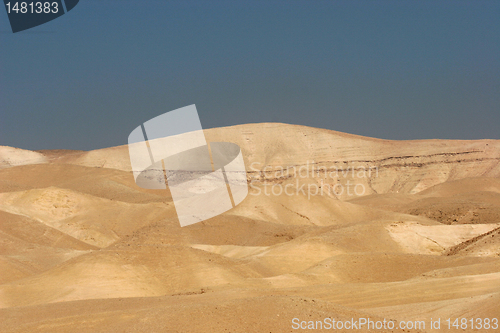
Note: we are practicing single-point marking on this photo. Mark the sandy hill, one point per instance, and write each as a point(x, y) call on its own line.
point(83, 248)
point(10, 157)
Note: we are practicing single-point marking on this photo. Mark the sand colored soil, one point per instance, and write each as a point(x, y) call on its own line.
point(84, 249)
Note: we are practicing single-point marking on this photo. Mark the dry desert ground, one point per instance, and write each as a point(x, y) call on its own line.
point(414, 235)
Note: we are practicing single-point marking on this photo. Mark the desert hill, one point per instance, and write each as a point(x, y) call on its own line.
point(415, 234)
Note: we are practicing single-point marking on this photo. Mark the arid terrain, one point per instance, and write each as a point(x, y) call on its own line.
point(334, 226)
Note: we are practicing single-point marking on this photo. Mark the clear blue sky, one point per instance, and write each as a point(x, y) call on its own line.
point(386, 69)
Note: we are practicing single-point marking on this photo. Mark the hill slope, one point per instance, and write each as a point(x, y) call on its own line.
point(82, 247)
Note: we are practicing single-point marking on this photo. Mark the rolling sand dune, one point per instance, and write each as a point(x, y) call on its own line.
point(10, 157)
point(83, 248)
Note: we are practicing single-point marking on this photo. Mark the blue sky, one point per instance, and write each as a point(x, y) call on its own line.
point(388, 69)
